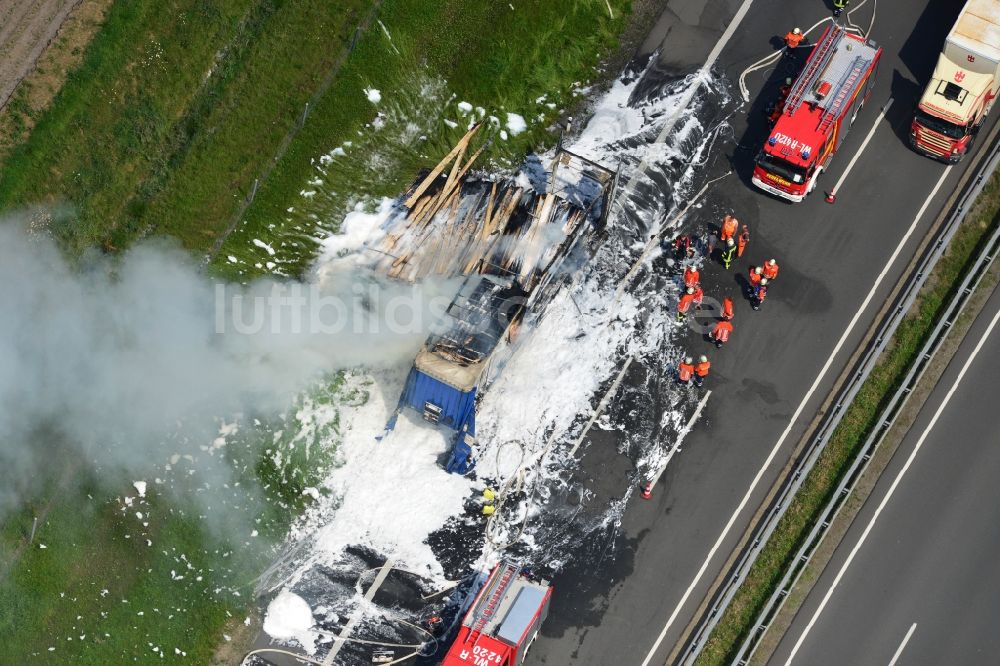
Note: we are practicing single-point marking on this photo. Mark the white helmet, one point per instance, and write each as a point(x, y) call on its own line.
point(758, 270)
point(771, 262)
point(688, 360)
point(702, 359)
point(690, 290)
point(763, 280)
point(797, 31)
point(730, 242)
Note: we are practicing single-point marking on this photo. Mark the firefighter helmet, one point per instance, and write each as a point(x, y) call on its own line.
point(703, 359)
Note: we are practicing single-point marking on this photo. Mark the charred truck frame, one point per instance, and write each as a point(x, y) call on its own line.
point(508, 240)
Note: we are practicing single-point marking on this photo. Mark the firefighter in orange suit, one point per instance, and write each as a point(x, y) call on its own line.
point(728, 228)
point(727, 308)
point(685, 370)
point(701, 370)
point(742, 241)
point(721, 332)
point(770, 269)
point(693, 296)
point(794, 37)
point(691, 277)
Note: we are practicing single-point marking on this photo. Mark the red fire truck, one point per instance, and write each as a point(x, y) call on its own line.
point(502, 622)
point(820, 108)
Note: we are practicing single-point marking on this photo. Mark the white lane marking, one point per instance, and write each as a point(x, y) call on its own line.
point(359, 613)
point(795, 416)
point(600, 407)
point(892, 488)
point(680, 438)
point(693, 90)
point(906, 639)
point(864, 144)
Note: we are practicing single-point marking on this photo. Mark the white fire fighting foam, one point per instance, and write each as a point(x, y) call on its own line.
point(290, 618)
point(390, 495)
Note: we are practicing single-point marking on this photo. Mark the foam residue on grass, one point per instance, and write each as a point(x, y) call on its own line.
point(516, 123)
point(349, 178)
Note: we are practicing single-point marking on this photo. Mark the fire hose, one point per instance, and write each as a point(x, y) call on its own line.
point(771, 58)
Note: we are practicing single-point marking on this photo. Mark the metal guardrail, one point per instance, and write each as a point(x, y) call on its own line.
point(822, 436)
point(860, 463)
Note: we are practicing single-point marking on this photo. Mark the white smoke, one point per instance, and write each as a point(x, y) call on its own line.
point(114, 357)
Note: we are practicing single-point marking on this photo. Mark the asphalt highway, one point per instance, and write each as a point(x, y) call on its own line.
point(838, 265)
point(915, 580)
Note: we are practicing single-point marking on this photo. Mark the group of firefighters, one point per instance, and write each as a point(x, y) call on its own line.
point(730, 243)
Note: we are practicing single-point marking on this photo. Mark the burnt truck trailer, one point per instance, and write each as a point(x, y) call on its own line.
point(817, 113)
point(507, 241)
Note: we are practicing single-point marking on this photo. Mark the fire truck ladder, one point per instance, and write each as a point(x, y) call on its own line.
point(845, 88)
point(491, 598)
point(825, 50)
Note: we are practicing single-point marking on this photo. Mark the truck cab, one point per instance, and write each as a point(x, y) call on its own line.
point(817, 114)
point(786, 165)
point(964, 84)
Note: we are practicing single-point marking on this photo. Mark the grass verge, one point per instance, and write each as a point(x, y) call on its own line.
point(172, 103)
point(176, 108)
point(860, 417)
point(112, 576)
point(426, 58)
point(92, 590)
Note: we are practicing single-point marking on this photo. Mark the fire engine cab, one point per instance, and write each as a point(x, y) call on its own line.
point(817, 113)
point(502, 622)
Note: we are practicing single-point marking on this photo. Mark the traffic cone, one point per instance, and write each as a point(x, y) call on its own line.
point(831, 197)
point(647, 491)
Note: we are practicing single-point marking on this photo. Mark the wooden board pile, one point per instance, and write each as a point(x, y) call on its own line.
point(452, 224)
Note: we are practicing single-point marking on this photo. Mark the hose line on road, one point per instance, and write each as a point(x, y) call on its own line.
point(771, 58)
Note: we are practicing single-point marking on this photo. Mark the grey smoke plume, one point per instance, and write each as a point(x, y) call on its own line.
point(115, 356)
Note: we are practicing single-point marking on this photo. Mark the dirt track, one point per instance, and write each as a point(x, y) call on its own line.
point(26, 28)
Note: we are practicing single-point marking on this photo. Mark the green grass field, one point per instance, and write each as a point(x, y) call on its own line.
point(178, 107)
point(424, 58)
point(106, 581)
point(98, 594)
point(850, 434)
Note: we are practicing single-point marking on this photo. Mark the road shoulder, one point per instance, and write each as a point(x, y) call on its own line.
point(883, 455)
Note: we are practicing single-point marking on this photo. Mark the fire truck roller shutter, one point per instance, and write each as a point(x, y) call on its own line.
point(856, 106)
